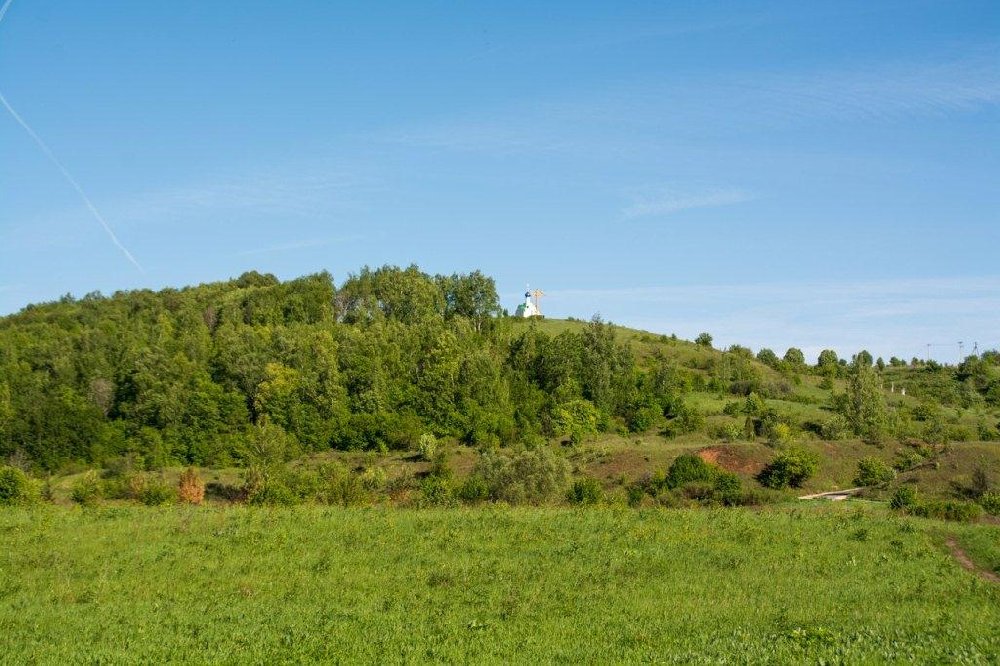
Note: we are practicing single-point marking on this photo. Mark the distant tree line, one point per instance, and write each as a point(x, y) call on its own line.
point(209, 375)
point(254, 368)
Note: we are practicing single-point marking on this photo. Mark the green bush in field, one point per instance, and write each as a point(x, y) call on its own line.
point(157, 493)
point(265, 485)
point(437, 490)
point(835, 428)
point(873, 471)
point(908, 459)
point(585, 491)
point(643, 418)
point(689, 468)
point(789, 468)
point(15, 487)
point(990, 501)
point(86, 490)
point(904, 498)
point(728, 489)
point(523, 477)
point(438, 487)
point(634, 494)
point(577, 418)
point(373, 479)
point(427, 446)
point(683, 419)
point(699, 491)
point(337, 485)
point(473, 490)
point(780, 434)
point(964, 512)
point(760, 497)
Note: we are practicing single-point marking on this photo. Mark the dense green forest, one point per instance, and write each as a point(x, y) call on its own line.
point(222, 374)
point(202, 375)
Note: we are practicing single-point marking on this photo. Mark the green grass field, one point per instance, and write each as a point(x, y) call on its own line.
point(839, 583)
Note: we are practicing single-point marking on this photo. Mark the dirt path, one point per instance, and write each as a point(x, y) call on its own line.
point(967, 563)
point(834, 495)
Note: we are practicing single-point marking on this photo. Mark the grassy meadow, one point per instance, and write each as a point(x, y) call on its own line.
point(847, 583)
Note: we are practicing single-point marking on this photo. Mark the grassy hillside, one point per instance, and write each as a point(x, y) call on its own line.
point(301, 386)
point(827, 583)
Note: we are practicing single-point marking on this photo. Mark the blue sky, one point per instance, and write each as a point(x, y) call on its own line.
point(775, 173)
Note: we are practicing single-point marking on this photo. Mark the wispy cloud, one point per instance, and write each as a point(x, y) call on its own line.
point(295, 193)
point(666, 202)
point(290, 193)
point(4, 8)
point(642, 113)
point(97, 215)
point(888, 317)
point(883, 92)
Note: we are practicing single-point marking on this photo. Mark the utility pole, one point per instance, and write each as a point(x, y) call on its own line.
point(961, 346)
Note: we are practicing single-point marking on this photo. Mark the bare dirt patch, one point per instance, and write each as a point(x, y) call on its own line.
point(731, 459)
point(963, 559)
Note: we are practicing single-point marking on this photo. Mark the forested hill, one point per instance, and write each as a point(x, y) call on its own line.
point(206, 373)
point(220, 373)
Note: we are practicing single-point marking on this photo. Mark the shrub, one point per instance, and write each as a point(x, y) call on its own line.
point(732, 432)
point(86, 490)
point(760, 497)
point(728, 489)
point(15, 487)
point(577, 418)
point(990, 501)
point(780, 434)
point(701, 491)
point(373, 478)
point(157, 493)
point(874, 472)
point(190, 487)
point(904, 498)
point(436, 490)
point(523, 477)
point(123, 485)
point(964, 512)
point(684, 419)
point(427, 446)
point(643, 418)
point(473, 490)
point(337, 485)
point(689, 468)
point(585, 491)
point(835, 428)
point(980, 482)
point(634, 494)
point(907, 459)
point(789, 468)
point(265, 485)
point(703, 339)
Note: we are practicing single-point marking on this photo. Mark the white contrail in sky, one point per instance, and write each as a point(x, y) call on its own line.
point(65, 172)
point(69, 177)
point(3, 10)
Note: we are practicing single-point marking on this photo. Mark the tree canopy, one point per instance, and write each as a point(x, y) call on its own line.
point(200, 375)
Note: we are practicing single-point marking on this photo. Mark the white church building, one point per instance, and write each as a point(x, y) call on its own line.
point(530, 307)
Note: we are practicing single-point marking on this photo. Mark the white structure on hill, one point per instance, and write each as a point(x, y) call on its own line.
point(530, 307)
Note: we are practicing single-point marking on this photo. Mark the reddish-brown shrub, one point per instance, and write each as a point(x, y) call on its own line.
point(191, 488)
